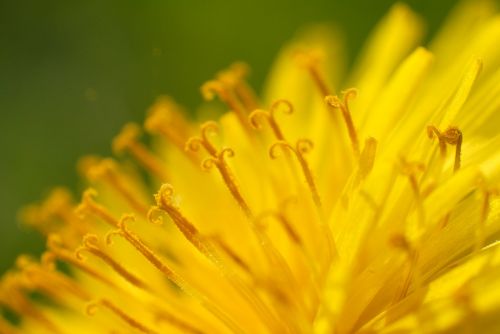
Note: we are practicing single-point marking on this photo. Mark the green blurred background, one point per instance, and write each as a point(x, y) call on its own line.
point(72, 72)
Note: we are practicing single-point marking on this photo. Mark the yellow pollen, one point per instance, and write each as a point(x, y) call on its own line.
point(127, 141)
point(451, 136)
point(343, 105)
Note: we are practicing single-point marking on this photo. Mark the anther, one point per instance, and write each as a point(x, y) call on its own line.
point(270, 116)
point(127, 140)
point(451, 136)
point(343, 105)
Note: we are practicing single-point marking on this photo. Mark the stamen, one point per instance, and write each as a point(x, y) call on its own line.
point(376, 208)
point(302, 147)
point(487, 194)
point(343, 105)
point(203, 244)
point(179, 323)
point(195, 143)
point(214, 88)
point(400, 242)
point(235, 77)
point(164, 203)
point(411, 170)
point(106, 169)
point(297, 240)
point(7, 328)
point(177, 280)
point(310, 61)
point(270, 117)
point(217, 240)
point(464, 299)
point(284, 223)
point(90, 244)
point(367, 158)
point(218, 159)
point(126, 140)
point(451, 136)
point(57, 251)
point(89, 205)
point(166, 118)
point(50, 281)
point(12, 296)
point(55, 210)
point(92, 309)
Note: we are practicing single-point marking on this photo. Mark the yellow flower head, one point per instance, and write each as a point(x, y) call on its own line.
point(373, 210)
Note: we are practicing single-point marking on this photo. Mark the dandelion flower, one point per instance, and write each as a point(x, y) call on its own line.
point(304, 210)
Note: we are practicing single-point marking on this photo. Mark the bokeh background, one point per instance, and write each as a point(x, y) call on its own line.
point(72, 72)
